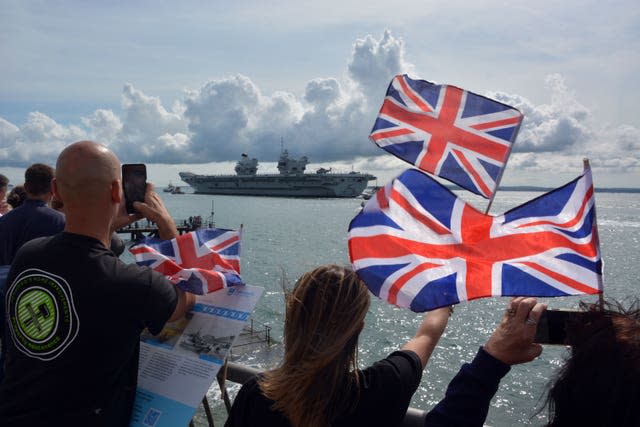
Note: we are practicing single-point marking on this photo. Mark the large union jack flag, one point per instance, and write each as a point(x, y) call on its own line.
point(417, 245)
point(444, 130)
point(199, 262)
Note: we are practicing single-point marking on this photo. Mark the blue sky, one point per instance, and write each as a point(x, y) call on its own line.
point(191, 85)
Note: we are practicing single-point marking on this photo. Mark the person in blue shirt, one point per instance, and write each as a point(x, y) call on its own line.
point(34, 218)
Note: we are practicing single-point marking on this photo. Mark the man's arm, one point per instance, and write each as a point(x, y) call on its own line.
point(154, 210)
point(186, 300)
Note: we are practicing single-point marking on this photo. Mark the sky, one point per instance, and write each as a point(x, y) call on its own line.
point(192, 85)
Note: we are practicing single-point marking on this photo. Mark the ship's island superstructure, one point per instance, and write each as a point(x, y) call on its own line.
point(291, 181)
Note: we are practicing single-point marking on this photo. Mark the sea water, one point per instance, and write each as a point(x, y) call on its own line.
point(285, 237)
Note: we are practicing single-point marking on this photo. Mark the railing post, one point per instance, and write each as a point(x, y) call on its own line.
point(207, 411)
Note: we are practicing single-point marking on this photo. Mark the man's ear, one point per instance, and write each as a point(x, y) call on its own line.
point(116, 191)
point(54, 190)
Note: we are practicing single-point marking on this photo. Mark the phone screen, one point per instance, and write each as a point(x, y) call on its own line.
point(134, 184)
point(552, 326)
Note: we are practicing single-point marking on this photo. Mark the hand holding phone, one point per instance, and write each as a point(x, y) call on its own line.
point(552, 326)
point(512, 341)
point(134, 184)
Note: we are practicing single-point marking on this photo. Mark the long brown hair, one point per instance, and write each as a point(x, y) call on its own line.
point(318, 379)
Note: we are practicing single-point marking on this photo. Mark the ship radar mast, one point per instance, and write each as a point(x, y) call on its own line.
point(288, 166)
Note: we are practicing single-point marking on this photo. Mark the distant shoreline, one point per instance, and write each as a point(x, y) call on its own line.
point(546, 189)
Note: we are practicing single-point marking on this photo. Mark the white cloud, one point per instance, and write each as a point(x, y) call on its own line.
point(221, 115)
point(40, 139)
point(9, 133)
point(321, 93)
point(329, 123)
point(557, 126)
point(556, 136)
point(373, 63)
point(147, 127)
point(103, 125)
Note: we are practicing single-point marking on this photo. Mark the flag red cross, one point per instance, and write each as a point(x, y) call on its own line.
point(480, 249)
point(446, 134)
point(191, 255)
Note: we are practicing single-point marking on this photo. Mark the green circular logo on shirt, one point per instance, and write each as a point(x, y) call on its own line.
point(42, 318)
point(37, 314)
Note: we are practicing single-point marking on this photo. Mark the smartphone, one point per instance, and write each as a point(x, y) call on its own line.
point(134, 184)
point(552, 326)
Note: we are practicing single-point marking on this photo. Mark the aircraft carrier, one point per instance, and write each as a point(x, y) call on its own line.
point(291, 181)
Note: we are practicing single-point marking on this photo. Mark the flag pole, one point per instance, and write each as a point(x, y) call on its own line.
point(493, 196)
point(586, 166)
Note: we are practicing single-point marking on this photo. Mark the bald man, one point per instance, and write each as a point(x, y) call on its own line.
point(75, 311)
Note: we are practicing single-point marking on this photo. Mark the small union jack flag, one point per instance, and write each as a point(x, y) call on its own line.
point(417, 245)
point(199, 262)
point(449, 132)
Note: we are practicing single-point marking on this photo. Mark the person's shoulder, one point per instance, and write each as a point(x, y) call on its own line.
point(250, 397)
point(32, 248)
point(133, 274)
point(56, 213)
point(36, 244)
point(400, 367)
point(11, 215)
point(51, 213)
point(251, 392)
point(250, 407)
point(251, 383)
point(400, 357)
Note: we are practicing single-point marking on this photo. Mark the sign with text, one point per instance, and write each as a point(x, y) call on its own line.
point(177, 366)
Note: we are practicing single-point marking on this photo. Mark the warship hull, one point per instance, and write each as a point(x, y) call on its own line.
point(347, 185)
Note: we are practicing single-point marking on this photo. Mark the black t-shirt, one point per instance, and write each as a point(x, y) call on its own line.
point(385, 393)
point(74, 313)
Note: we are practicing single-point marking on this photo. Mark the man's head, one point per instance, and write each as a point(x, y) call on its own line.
point(88, 182)
point(37, 181)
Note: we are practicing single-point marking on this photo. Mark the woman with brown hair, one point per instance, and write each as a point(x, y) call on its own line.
point(319, 383)
point(16, 196)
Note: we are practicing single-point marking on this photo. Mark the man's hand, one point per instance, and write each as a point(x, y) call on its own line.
point(154, 210)
point(512, 341)
point(123, 219)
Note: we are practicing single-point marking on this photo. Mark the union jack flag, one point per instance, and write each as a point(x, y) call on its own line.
point(417, 245)
point(199, 262)
point(449, 132)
